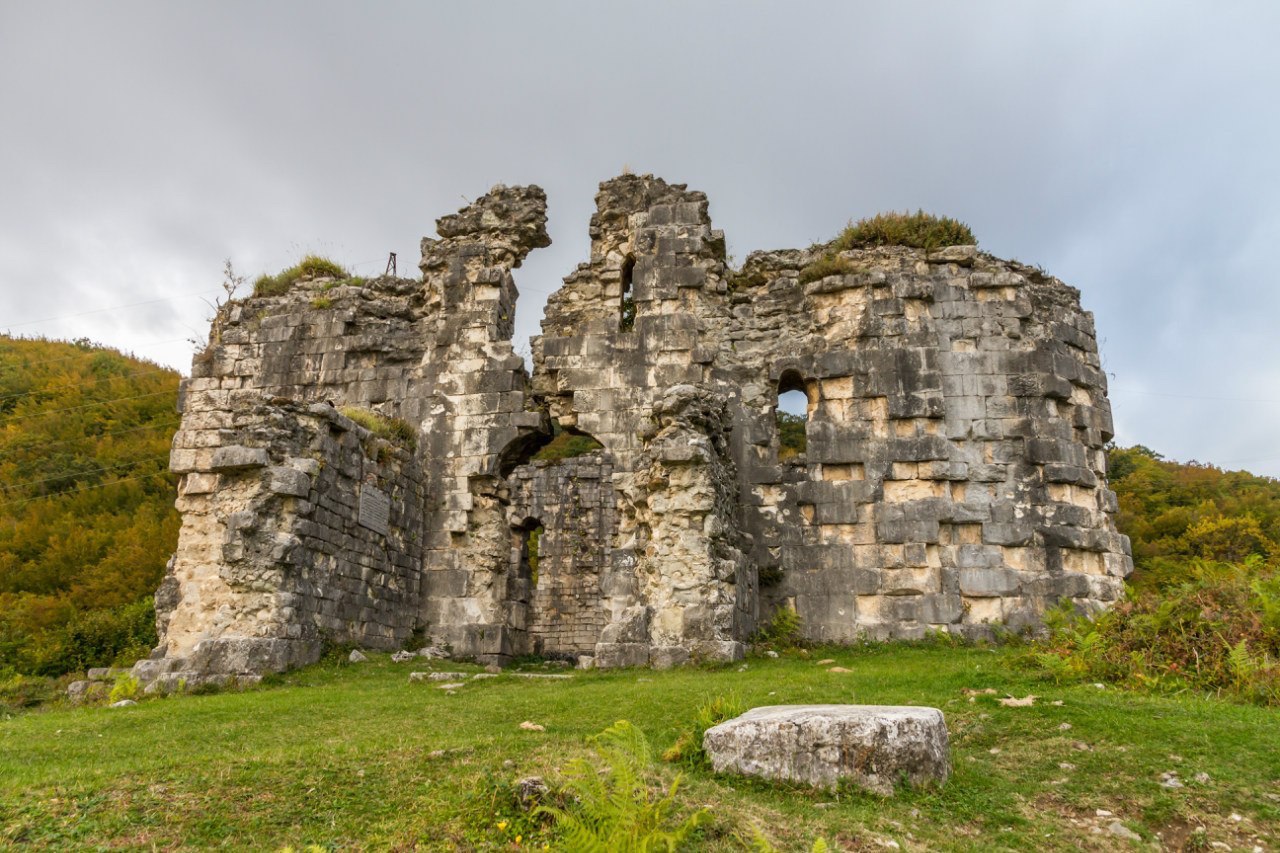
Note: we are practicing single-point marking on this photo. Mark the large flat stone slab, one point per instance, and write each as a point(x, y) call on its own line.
point(874, 746)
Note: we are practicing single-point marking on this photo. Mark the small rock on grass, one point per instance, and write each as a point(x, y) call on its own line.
point(531, 790)
point(839, 669)
point(530, 726)
point(1024, 702)
point(123, 703)
point(452, 685)
point(826, 661)
point(1119, 830)
point(356, 656)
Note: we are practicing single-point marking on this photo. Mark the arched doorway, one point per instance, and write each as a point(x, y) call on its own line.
point(562, 515)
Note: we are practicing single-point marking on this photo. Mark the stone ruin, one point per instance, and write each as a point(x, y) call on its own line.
point(953, 476)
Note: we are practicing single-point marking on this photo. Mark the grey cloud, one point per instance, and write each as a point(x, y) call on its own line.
point(1127, 147)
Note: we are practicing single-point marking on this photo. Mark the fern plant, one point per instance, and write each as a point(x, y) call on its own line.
point(615, 810)
point(688, 746)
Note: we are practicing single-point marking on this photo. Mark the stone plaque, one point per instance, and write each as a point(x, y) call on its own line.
point(375, 509)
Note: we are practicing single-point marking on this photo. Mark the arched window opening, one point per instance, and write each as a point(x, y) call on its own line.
point(791, 416)
point(566, 444)
point(530, 538)
point(627, 303)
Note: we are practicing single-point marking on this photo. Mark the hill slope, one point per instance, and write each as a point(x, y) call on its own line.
point(1178, 512)
point(86, 502)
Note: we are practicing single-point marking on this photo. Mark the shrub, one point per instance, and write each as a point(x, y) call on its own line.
point(126, 687)
point(18, 691)
point(783, 629)
point(614, 811)
point(312, 266)
point(920, 230)
point(106, 637)
point(1219, 631)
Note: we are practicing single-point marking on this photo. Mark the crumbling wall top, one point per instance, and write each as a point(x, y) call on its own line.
point(509, 221)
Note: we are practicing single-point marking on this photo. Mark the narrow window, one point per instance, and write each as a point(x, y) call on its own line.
point(530, 538)
point(627, 317)
point(791, 417)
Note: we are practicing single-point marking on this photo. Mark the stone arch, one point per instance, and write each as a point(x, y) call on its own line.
point(791, 426)
point(561, 503)
point(521, 449)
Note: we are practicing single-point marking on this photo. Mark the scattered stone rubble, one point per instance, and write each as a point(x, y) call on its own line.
point(954, 476)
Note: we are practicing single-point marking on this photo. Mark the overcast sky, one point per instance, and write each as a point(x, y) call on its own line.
point(1130, 148)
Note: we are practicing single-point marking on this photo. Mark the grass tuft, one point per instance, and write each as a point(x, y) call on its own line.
point(395, 430)
point(919, 230)
point(312, 266)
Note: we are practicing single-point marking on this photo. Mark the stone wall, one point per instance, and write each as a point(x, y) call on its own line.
point(573, 503)
point(955, 475)
point(953, 479)
point(299, 526)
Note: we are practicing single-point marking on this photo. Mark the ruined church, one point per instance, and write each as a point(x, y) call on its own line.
point(363, 462)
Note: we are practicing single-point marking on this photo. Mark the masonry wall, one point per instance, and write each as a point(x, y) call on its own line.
point(954, 476)
point(299, 526)
point(955, 473)
point(345, 341)
point(573, 502)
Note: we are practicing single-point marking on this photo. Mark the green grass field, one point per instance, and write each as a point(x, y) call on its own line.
point(355, 757)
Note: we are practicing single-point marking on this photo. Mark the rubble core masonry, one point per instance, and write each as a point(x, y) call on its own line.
point(953, 476)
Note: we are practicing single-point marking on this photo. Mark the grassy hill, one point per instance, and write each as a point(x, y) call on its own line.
point(86, 502)
point(356, 757)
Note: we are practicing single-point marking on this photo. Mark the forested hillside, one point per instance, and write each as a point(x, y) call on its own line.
point(1178, 513)
point(86, 502)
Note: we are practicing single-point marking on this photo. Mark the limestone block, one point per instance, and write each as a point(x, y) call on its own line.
point(235, 456)
point(874, 746)
point(988, 582)
point(289, 481)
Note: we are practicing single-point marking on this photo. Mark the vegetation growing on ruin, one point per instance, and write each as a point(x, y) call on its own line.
point(338, 756)
point(86, 504)
point(828, 264)
point(919, 230)
point(311, 266)
point(566, 445)
point(395, 430)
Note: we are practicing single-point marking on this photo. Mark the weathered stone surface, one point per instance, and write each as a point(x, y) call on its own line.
point(953, 476)
point(874, 746)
